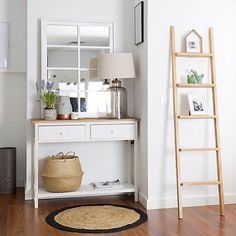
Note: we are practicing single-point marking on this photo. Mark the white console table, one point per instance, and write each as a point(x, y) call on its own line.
point(85, 130)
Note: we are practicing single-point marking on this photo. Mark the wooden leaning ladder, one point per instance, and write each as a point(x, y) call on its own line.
point(177, 117)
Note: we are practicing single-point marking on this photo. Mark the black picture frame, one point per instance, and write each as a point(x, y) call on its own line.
point(139, 23)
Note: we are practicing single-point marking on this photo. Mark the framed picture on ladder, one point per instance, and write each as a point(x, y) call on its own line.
point(197, 104)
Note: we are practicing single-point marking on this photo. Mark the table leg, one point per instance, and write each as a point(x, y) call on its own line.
point(35, 164)
point(136, 165)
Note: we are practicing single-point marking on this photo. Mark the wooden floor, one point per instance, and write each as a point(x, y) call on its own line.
point(19, 218)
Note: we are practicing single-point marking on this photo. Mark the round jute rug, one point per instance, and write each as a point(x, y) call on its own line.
point(96, 218)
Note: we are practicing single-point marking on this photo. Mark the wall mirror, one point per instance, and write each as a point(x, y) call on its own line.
point(69, 52)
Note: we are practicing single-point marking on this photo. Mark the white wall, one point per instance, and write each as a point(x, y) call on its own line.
point(161, 163)
point(156, 151)
point(14, 12)
point(117, 11)
point(141, 107)
point(13, 116)
point(157, 164)
point(13, 84)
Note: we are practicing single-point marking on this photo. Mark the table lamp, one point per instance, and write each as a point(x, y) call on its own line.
point(117, 66)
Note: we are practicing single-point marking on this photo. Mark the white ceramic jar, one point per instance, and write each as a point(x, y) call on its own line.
point(64, 108)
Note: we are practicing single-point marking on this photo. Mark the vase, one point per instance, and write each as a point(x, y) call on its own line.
point(50, 114)
point(64, 108)
point(118, 100)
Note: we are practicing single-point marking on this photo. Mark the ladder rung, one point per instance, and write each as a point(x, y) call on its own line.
point(197, 149)
point(193, 54)
point(212, 182)
point(197, 117)
point(195, 85)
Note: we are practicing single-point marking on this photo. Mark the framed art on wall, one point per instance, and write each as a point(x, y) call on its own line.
point(138, 23)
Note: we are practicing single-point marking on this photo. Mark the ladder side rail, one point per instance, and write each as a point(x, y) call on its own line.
point(176, 124)
point(216, 123)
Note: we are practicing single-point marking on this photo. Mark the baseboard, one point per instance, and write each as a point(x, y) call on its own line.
point(161, 203)
point(142, 199)
point(20, 183)
point(28, 195)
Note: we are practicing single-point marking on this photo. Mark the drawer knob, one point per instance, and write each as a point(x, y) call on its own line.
point(112, 132)
point(60, 133)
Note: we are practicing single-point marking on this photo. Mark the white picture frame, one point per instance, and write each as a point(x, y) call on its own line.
point(197, 104)
point(193, 42)
point(4, 45)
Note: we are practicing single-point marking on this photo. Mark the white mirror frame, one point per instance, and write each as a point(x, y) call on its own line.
point(44, 53)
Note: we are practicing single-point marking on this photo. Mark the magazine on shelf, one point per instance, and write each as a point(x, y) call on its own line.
point(108, 185)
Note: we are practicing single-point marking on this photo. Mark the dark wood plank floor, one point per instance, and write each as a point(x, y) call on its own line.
point(19, 218)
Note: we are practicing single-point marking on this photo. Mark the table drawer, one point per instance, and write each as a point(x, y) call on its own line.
point(119, 132)
point(62, 133)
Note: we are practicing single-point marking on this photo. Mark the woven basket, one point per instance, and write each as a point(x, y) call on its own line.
point(62, 173)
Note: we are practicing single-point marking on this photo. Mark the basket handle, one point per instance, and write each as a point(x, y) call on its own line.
point(70, 152)
point(62, 156)
point(59, 154)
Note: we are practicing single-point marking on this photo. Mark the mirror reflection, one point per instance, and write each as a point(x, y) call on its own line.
point(94, 36)
point(62, 35)
point(73, 67)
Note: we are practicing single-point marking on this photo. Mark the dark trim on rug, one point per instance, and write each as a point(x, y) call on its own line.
point(50, 220)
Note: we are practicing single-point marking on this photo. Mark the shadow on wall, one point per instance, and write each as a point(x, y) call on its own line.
point(13, 117)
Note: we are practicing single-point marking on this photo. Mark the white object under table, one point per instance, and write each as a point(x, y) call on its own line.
point(85, 130)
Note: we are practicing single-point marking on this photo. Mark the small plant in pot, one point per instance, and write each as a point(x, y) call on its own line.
point(49, 98)
point(194, 77)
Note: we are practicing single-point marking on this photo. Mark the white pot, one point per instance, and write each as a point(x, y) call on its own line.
point(50, 114)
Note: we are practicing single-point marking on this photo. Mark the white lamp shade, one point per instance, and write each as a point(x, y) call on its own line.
point(116, 66)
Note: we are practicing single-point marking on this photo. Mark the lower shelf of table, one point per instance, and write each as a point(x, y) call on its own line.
point(86, 191)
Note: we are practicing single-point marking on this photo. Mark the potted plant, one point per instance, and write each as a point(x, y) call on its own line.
point(194, 77)
point(49, 98)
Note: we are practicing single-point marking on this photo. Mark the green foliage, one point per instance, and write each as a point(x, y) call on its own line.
point(194, 77)
point(49, 98)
